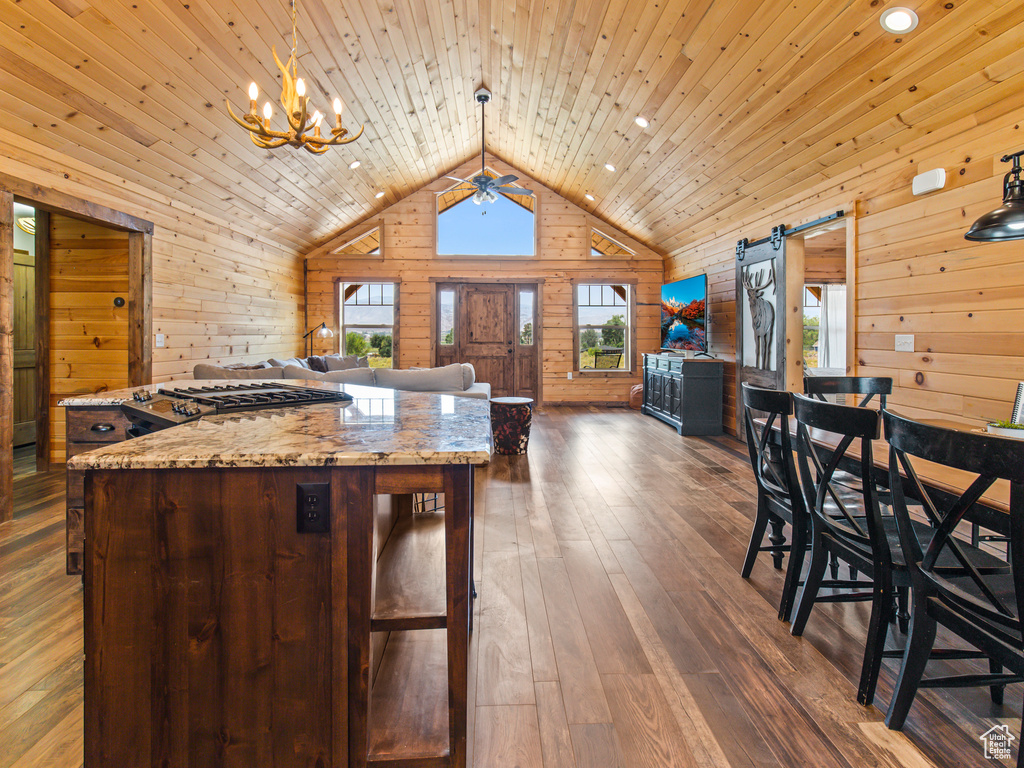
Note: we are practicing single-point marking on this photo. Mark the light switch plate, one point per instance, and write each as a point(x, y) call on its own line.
point(569, 375)
point(159, 339)
point(904, 342)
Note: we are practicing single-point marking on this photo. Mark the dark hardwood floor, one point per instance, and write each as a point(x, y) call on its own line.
point(612, 627)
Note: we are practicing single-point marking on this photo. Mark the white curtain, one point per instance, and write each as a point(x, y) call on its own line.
point(832, 337)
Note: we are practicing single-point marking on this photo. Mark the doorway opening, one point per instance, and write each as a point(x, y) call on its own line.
point(90, 265)
point(825, 307)
point(26, 372)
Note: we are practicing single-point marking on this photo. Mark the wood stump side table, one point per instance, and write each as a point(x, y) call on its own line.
point(510, 424)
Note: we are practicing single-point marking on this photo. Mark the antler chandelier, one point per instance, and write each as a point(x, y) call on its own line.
point(295, 103)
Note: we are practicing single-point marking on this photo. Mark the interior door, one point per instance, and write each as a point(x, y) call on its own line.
point(486, 333)
point(24, 348)
point(760, 317)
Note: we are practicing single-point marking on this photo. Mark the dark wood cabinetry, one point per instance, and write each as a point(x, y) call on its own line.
point(684, 393)
point(88, 427)
point(214, 629)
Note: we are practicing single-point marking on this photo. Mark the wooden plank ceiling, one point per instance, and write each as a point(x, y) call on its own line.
point(748, 100)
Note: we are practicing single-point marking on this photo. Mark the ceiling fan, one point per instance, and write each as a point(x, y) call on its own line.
point(487, 189)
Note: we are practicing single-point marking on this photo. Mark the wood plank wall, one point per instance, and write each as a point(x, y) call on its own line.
point(914, 271)
point(88, 334)
point(409, 253)
point(223, 291)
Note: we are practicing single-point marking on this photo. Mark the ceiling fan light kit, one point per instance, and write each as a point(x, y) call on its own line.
point(486, 188)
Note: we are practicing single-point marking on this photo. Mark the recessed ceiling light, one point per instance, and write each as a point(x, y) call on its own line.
point(354, 164)
point(641, 121)
point(898, 20)
point(379, 195)
point(609, 167)
point(589, 197)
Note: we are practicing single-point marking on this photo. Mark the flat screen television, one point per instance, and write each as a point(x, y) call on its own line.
point(683, 317)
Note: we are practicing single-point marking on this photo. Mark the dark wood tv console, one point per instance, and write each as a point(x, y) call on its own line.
point(684, 393)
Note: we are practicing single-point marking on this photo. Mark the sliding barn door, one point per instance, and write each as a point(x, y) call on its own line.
point(760, 317)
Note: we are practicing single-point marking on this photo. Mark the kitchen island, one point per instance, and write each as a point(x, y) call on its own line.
point(259, 591)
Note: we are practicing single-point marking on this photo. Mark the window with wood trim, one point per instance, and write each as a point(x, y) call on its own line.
point(369, 319)
point(603, 314)
point(446, 317)
point(366, 244)
point(505, 226)
point(824, 326)
point(603, 245)
point(527, 298)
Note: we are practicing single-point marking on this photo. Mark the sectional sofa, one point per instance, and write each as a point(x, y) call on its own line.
point(457, 379)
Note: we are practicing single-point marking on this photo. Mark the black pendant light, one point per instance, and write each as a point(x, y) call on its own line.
point(1007, 221)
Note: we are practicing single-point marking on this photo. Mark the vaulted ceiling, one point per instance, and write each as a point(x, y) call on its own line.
point(747, 100)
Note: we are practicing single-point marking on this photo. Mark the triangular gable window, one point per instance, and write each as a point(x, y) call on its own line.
point(366, 244)
point(603, 245)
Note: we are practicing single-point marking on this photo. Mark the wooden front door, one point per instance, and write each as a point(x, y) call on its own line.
point(24, 348)
point(485, 324)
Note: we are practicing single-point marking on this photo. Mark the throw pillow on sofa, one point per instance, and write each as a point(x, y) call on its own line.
point(445, 379)
point(207, 371)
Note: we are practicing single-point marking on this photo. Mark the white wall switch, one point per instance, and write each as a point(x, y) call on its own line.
point(569, 375)
point(904, 342)
point(159, 339)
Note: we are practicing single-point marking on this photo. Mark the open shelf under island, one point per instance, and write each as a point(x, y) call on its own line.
point(217, 633)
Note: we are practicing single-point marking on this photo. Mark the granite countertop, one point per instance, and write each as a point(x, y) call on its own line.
point(380, 427)
point(118, 396)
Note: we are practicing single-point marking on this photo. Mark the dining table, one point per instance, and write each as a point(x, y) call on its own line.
point(944, 484)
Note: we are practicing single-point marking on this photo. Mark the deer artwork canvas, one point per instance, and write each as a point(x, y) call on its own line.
point(762, 312)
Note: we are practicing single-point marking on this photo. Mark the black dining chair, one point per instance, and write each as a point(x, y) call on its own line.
point(766, 413)
point(847, 524)
point(973, 594)
point(820, 387)
point(869, 386)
